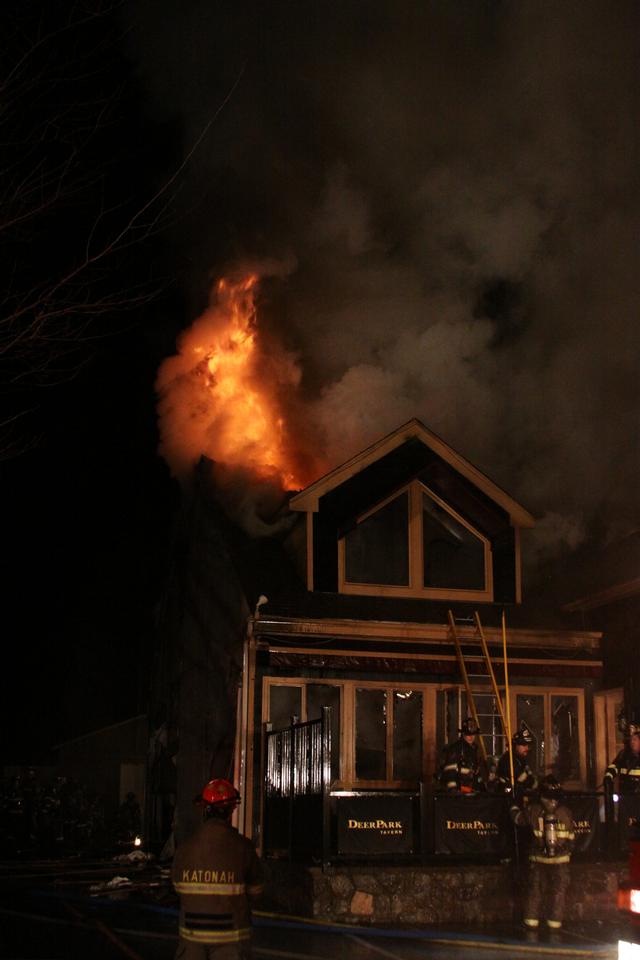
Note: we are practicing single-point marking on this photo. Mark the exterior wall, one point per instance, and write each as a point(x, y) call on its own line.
point(434, 736)
point(353, 652)
point(429, 895)
point(107, 759)
point(620, 623)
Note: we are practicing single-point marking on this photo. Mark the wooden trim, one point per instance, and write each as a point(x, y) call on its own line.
point(618, 592)
point(250, 737)
point(606, 705)
point(400, 631)
point(310, 552)
point(518, 545)
point(424, 593)
point(389, 719)
point(239, 766)
point(376, 654)
point(429, 725)
point(415, 541)
point(348, 768)
point(309, 498)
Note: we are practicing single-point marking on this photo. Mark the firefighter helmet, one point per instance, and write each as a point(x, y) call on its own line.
point(217, 793)
point(549, 787)
point(522, 737)
point(627, 727)
point(469, 727)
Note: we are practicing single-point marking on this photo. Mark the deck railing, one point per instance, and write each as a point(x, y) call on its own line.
point(297, 782)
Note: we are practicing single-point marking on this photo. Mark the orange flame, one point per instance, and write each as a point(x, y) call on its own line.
point(222, 396)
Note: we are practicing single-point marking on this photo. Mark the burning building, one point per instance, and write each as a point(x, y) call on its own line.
point(320, 660)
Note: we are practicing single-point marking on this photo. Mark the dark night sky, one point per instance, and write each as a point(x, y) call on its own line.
point(449, 189)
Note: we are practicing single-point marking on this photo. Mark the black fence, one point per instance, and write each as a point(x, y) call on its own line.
point(297, 779)
point(305, 820)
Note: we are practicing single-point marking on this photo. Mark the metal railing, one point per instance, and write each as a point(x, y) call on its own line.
point(297, 781)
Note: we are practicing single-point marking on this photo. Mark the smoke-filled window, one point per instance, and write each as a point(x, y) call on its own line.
point(452, 555)
point(565, 748)
point(531, 710)
point(371, 734)
point(377, 549)
point(285, 702)
point(407, 735)
point(321, 695)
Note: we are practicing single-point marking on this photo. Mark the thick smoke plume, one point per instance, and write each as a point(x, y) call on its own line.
point(457, 183)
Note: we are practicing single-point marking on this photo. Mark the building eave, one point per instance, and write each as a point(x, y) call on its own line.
point(620, 591)
point(308, 500)
point(267, 626)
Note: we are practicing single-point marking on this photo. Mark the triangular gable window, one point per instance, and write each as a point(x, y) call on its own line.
point(453, 555)
point(415, 545)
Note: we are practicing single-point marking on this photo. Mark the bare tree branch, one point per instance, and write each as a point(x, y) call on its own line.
point(67, 233)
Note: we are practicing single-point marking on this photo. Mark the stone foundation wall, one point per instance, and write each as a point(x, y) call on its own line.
point(422, 896)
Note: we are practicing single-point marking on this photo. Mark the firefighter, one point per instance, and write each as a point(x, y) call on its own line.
point(217, 873)
point(460, 767)
point(626, 766)
point(552, 831)
point(524, 779)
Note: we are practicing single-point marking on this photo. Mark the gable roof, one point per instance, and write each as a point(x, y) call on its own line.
point(309, 498)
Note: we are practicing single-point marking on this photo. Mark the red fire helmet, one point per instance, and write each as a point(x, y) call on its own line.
point(219, 792)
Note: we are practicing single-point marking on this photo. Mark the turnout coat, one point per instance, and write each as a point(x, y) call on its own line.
point(216, 872)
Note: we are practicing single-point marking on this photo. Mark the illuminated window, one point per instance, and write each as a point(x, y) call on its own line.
point(413, 544)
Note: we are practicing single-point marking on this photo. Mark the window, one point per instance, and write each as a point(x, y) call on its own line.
point(305, 702)
point(554, 717)
point(388, 734)
point(413, 544)
point(530, 710)
point(407, 735)
point(371, 734)
point(556, 720)
point(452, 555)
point(383, 727)
point(378, 548)
point(285, 702)
point(565, 746)
point(456, 710)
point(321, 695)
point(384, 734)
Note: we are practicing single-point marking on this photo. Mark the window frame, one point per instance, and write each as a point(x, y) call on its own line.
point(430, 756)
point(415, 587)
point(347, 757)
point(547, 693)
